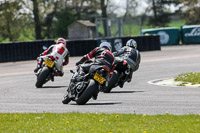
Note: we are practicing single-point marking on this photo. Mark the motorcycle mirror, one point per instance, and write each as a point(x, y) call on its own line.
point(44, 47)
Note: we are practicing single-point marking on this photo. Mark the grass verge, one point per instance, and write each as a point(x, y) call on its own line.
point(193, 78)
point(99, 123)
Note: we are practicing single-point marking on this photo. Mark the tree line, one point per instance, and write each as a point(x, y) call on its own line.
point(44, 19)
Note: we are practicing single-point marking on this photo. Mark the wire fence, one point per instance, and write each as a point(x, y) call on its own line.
point(118, 27)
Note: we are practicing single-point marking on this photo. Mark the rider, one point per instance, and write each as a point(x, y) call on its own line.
point(59, 52)
point(102, 55)
point(130, 56)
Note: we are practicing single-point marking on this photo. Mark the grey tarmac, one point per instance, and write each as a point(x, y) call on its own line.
point(19, 94)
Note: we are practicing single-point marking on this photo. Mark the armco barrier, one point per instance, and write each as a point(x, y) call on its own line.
point(20, 51)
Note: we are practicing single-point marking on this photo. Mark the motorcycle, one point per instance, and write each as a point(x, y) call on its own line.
point(120, 75)
point(46, 72)
point(83, 87)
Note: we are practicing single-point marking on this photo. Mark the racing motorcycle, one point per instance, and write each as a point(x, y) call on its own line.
point(83, 87)
point(46, 72)
point(120, 74)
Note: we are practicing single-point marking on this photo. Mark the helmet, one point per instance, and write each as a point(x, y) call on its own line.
point(131, 43)
point(106, 45)
point(61, 40)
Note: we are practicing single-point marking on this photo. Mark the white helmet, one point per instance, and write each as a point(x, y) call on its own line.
point(132, 43)
point(61, 40)
point(106, 44)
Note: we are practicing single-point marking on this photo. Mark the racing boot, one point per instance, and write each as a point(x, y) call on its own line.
point(130, 76)
point(94, 97)
point(121, 84)
point(36, 69)
point(59, 73)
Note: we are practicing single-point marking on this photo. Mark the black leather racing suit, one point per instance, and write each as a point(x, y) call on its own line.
point(102, 57)
point(131, 56)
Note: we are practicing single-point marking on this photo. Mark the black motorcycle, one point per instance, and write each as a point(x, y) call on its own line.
point(46, 72)
point(120, 75)
point(83, 87)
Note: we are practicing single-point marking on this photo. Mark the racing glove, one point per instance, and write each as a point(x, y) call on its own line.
point(81, 61)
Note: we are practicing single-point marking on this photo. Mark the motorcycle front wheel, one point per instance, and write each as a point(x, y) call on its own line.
point(112, 82)
point(42, 77)
point(88, 93)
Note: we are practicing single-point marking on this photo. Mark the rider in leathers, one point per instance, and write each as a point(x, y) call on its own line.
point(103, 57)
point(131, 57)
point(59, 52)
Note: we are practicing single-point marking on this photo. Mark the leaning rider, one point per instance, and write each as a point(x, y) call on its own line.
point(102, 56)
point(59, 52)
point(131, 56)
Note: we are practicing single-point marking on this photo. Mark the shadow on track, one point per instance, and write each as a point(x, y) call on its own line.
point(102, 103)
point(124, 92)
point(52, 87)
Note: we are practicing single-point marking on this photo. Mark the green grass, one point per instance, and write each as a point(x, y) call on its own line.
point(133, 28)
point(98, 123)
point(176, 23)
point(192, 77)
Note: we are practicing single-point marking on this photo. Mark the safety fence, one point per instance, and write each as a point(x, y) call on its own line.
point(20, 51)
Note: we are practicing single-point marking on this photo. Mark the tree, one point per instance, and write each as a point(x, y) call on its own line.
point(160, 9)
point(192, 11)
point(37, 20)
point(130, 8)
point(9, 18)
point(84, 9)
point(104, 14)
point(64, 18)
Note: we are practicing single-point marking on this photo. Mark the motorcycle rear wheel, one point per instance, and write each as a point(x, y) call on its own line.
point(42, 77)
point(112, 82)
point(88, 93)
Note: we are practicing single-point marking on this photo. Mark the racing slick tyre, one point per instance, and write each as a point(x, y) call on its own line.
point(88, 93)
point(42, 77)
point(112, 82)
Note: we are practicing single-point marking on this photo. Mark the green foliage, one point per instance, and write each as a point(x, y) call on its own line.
point(64, 19)
point(104, 123)
point(9, 17)
point(161, 12)
point(176, 23)
point(192, 9)
point(192, 77)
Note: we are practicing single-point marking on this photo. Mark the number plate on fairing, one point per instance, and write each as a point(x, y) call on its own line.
point(99, 78)
point(49, 63)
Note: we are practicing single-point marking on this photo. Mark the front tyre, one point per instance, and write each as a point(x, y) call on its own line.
point(42, 77)
point(88, 93)
point(112, 82)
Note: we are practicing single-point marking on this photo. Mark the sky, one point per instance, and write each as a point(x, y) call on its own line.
point(142, 5)
point(122, 4)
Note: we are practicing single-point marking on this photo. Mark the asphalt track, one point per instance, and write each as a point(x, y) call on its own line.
point(19, 94)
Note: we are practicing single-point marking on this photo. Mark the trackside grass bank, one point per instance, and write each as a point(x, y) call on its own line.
point(193, 78)
point(98, 123)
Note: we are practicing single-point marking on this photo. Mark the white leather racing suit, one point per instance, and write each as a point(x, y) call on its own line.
point(60, 53)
